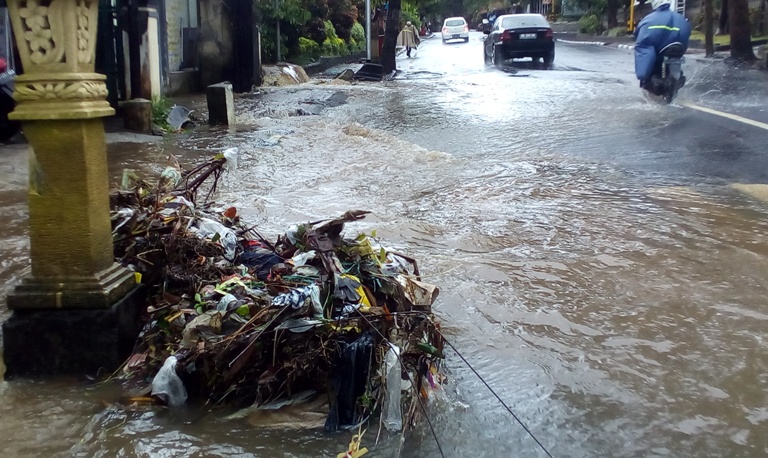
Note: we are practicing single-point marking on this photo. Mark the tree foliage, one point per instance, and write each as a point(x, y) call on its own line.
point(310, 20)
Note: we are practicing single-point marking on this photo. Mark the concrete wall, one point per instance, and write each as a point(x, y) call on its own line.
point(174, 11)
point(215, 45)
point(180, 14)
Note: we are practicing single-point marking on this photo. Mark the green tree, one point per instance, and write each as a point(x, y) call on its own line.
point(602, 8)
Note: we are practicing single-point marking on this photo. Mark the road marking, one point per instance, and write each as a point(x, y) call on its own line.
point(733, 117)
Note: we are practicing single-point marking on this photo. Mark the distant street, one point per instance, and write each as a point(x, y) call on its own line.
point(589, 104)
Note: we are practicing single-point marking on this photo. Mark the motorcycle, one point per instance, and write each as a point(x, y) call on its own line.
point(8, 128)
point(668, 77)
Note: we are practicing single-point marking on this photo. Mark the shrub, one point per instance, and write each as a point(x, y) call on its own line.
point(161, 107)
point(357, 33)
point(334, 47)
point(309, 48)
point(617, 32)
point(330, 30)
point(589, 24)
point(356, 46)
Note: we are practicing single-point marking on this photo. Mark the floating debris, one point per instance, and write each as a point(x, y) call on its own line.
point(316, 318)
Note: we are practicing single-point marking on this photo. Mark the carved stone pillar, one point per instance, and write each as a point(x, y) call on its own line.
point(61, 101)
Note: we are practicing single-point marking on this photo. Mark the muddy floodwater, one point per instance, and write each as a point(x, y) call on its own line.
point(602, 260)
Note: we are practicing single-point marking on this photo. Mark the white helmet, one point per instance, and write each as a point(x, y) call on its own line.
point(657, 3)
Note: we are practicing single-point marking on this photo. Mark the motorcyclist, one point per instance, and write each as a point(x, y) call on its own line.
point(657, 30)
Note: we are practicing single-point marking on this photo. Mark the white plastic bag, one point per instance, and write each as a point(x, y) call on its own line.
point(208, 228)
point(168, 386)
point(392, 415)
point(231, 154)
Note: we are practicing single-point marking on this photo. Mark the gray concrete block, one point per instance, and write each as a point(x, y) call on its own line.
point(221, 104)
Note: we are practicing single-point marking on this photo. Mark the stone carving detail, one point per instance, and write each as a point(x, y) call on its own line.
point(84, 54)
point(43, 30)
point(61, 91)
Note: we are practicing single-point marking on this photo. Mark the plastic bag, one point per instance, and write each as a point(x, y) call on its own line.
point(230, 154)
point(392, 415)
point(208, 228)
point(350, 376)
point(168, 386)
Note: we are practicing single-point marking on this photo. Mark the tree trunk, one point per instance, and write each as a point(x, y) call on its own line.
point(741, 39)
point(388, 49)
point(722, 26)
point(613, 13)
point(709, 39)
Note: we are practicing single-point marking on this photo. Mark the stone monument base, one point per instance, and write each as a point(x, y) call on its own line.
point(72, 341)
point(98, 291)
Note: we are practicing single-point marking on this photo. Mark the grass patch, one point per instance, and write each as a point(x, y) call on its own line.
point(161, 106)
point(720, 39)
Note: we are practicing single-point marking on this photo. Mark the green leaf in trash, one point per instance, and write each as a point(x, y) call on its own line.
point(199, 309)
point(373, 233)
point(243, 311)
point(198, 298)
point(383, 255)
point(216, 237)
point(430, 349)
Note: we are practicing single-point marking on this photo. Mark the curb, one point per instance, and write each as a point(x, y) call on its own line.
point(576, 42)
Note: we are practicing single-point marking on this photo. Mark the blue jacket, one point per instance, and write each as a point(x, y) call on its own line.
point(657, 30)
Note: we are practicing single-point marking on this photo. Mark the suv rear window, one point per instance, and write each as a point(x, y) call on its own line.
point(454, 22)
point(523, 21)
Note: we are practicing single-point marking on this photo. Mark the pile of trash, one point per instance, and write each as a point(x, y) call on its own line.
point(314, 317)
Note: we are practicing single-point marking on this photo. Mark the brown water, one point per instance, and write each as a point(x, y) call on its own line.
point(617, 305)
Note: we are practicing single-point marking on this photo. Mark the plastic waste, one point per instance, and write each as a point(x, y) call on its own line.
point(208, 229)
point(293, 234)
point(209, 322)
point(261, 260)
point(171, 177)
point(350, 376)
point(299, 325)
point(178, 116)
point(168, 386)
point(418, 293)
point(300, 297)
point(231, 154)
point(301, 259)
point(392, 415)
point(225, 302)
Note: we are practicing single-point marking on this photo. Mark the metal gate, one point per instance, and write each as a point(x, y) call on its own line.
point(110, 59)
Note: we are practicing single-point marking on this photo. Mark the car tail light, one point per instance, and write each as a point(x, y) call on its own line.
point(548, 34)
point(466, 28)
point(507, 35)
point(445, 29)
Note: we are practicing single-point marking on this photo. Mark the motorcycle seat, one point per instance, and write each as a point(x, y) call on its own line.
point(675, 49)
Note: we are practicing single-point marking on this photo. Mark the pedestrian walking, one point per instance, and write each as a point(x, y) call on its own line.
point(408, 38)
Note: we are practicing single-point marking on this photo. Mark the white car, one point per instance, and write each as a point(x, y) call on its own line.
point(455, 28)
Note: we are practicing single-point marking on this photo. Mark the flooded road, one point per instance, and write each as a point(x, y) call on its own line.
point(600, 263)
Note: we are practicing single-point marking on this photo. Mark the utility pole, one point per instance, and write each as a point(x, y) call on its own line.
point(709, 31)
point(368, 29)
point(278, 57)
